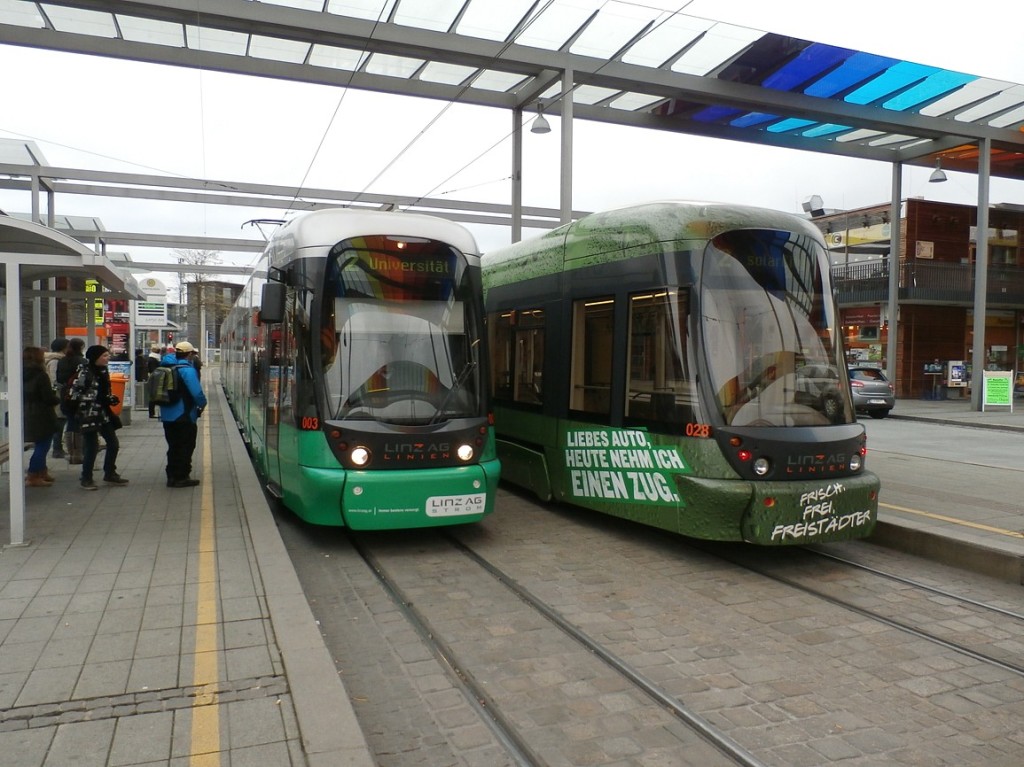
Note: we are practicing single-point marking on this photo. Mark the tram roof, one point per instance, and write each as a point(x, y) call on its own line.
point(324, 228)
point(631, 65)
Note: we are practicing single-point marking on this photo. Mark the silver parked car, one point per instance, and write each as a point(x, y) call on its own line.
point(872, 392)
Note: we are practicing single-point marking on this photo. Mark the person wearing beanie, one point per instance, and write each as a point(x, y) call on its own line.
point(93, 399)
point(58, 348)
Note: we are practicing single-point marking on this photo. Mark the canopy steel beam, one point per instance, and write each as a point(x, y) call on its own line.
point(539, 68)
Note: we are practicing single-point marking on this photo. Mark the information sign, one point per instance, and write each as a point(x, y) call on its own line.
point(998, 389)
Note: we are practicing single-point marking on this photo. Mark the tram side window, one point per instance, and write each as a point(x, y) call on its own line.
point(517, 355)
point(660, 388)
point(499, 329)
point(529, 378)
point(591, 371)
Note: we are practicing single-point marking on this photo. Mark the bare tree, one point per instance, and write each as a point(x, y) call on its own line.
point(198, 293)
point(198, 258)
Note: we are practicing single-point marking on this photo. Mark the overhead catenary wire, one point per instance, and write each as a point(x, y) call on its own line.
point(337, 106)
point(554, 100)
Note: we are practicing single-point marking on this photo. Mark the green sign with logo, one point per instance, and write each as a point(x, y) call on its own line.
point(998, 389)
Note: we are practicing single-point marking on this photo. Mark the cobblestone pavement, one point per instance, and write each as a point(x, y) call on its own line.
point(794, 680)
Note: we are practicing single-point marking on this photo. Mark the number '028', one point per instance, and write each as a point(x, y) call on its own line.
point(702, 430)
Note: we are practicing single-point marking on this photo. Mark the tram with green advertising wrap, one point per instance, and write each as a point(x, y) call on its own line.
point(354, 362)
point(680, 365)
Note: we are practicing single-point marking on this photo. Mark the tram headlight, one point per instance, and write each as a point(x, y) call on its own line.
point(465, 452)
point(360, 456)
point(762, 466)
point(856, 462)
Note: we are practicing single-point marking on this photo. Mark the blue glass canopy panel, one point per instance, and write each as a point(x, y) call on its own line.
point(790, 124)
point(897, 77)
point(810, 62)
point(852, 72)
point(938, 84)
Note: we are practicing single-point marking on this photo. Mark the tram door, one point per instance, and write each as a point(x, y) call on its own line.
point(272, 403)
point(281, 435)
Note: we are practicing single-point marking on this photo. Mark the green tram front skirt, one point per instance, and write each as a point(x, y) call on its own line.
point(782, 513)
point(393, 500)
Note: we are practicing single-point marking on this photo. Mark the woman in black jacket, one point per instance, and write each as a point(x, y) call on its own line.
point(39, 400)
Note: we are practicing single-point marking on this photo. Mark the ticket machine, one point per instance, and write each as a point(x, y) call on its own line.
point(956, 374)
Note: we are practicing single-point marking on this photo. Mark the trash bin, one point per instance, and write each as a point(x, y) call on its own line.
point(118, 381)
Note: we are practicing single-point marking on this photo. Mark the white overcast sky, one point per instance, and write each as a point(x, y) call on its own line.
point(90, 112)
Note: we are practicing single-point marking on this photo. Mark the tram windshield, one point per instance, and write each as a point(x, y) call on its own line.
point(400, 332)
point(770, 331)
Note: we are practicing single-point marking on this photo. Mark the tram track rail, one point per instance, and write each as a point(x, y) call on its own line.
point(847, 604)
point(489, 710)
point(918, 585)
point(475, 695)
point(792, 678)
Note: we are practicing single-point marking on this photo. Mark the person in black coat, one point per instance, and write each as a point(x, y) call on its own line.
point(39, 399)
point(152, 363)
point(93, 401)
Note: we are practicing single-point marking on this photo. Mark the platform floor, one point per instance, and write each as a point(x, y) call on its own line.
point(144, 625)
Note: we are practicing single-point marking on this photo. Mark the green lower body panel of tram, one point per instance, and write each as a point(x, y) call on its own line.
point(781, 513)
point(687, 490)
point(394, 500)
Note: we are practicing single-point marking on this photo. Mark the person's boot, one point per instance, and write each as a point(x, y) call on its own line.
point(35, 479)
point(45, 474)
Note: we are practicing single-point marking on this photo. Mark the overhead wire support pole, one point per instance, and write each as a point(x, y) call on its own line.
point(980, 274)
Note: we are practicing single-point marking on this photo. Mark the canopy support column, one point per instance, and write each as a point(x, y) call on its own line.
point(565, 184)
point(517, 174)
point(980, 275)
point(893, 308)
point(15, 411)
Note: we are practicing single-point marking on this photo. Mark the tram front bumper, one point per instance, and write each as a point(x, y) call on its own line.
point(392, 500)
point(780, 513)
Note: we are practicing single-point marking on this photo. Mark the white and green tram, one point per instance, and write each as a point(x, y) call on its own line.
point(681, 365)
point(355, 365)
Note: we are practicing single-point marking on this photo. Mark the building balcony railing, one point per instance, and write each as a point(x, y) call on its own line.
point(921, 282)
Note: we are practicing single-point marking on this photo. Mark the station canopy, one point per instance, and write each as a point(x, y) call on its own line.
point(628, 63)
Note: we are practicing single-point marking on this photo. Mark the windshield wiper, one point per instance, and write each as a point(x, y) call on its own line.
point(459, 380)
point(456, 384)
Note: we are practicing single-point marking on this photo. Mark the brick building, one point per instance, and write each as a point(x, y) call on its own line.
point(936, 287)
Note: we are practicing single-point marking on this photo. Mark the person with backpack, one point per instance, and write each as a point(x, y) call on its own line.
point(66, 369)
point(91, 399)
point(180, 413)
point(58, 348)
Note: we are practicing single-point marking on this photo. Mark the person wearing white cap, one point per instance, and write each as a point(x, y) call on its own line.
point(179, 418)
